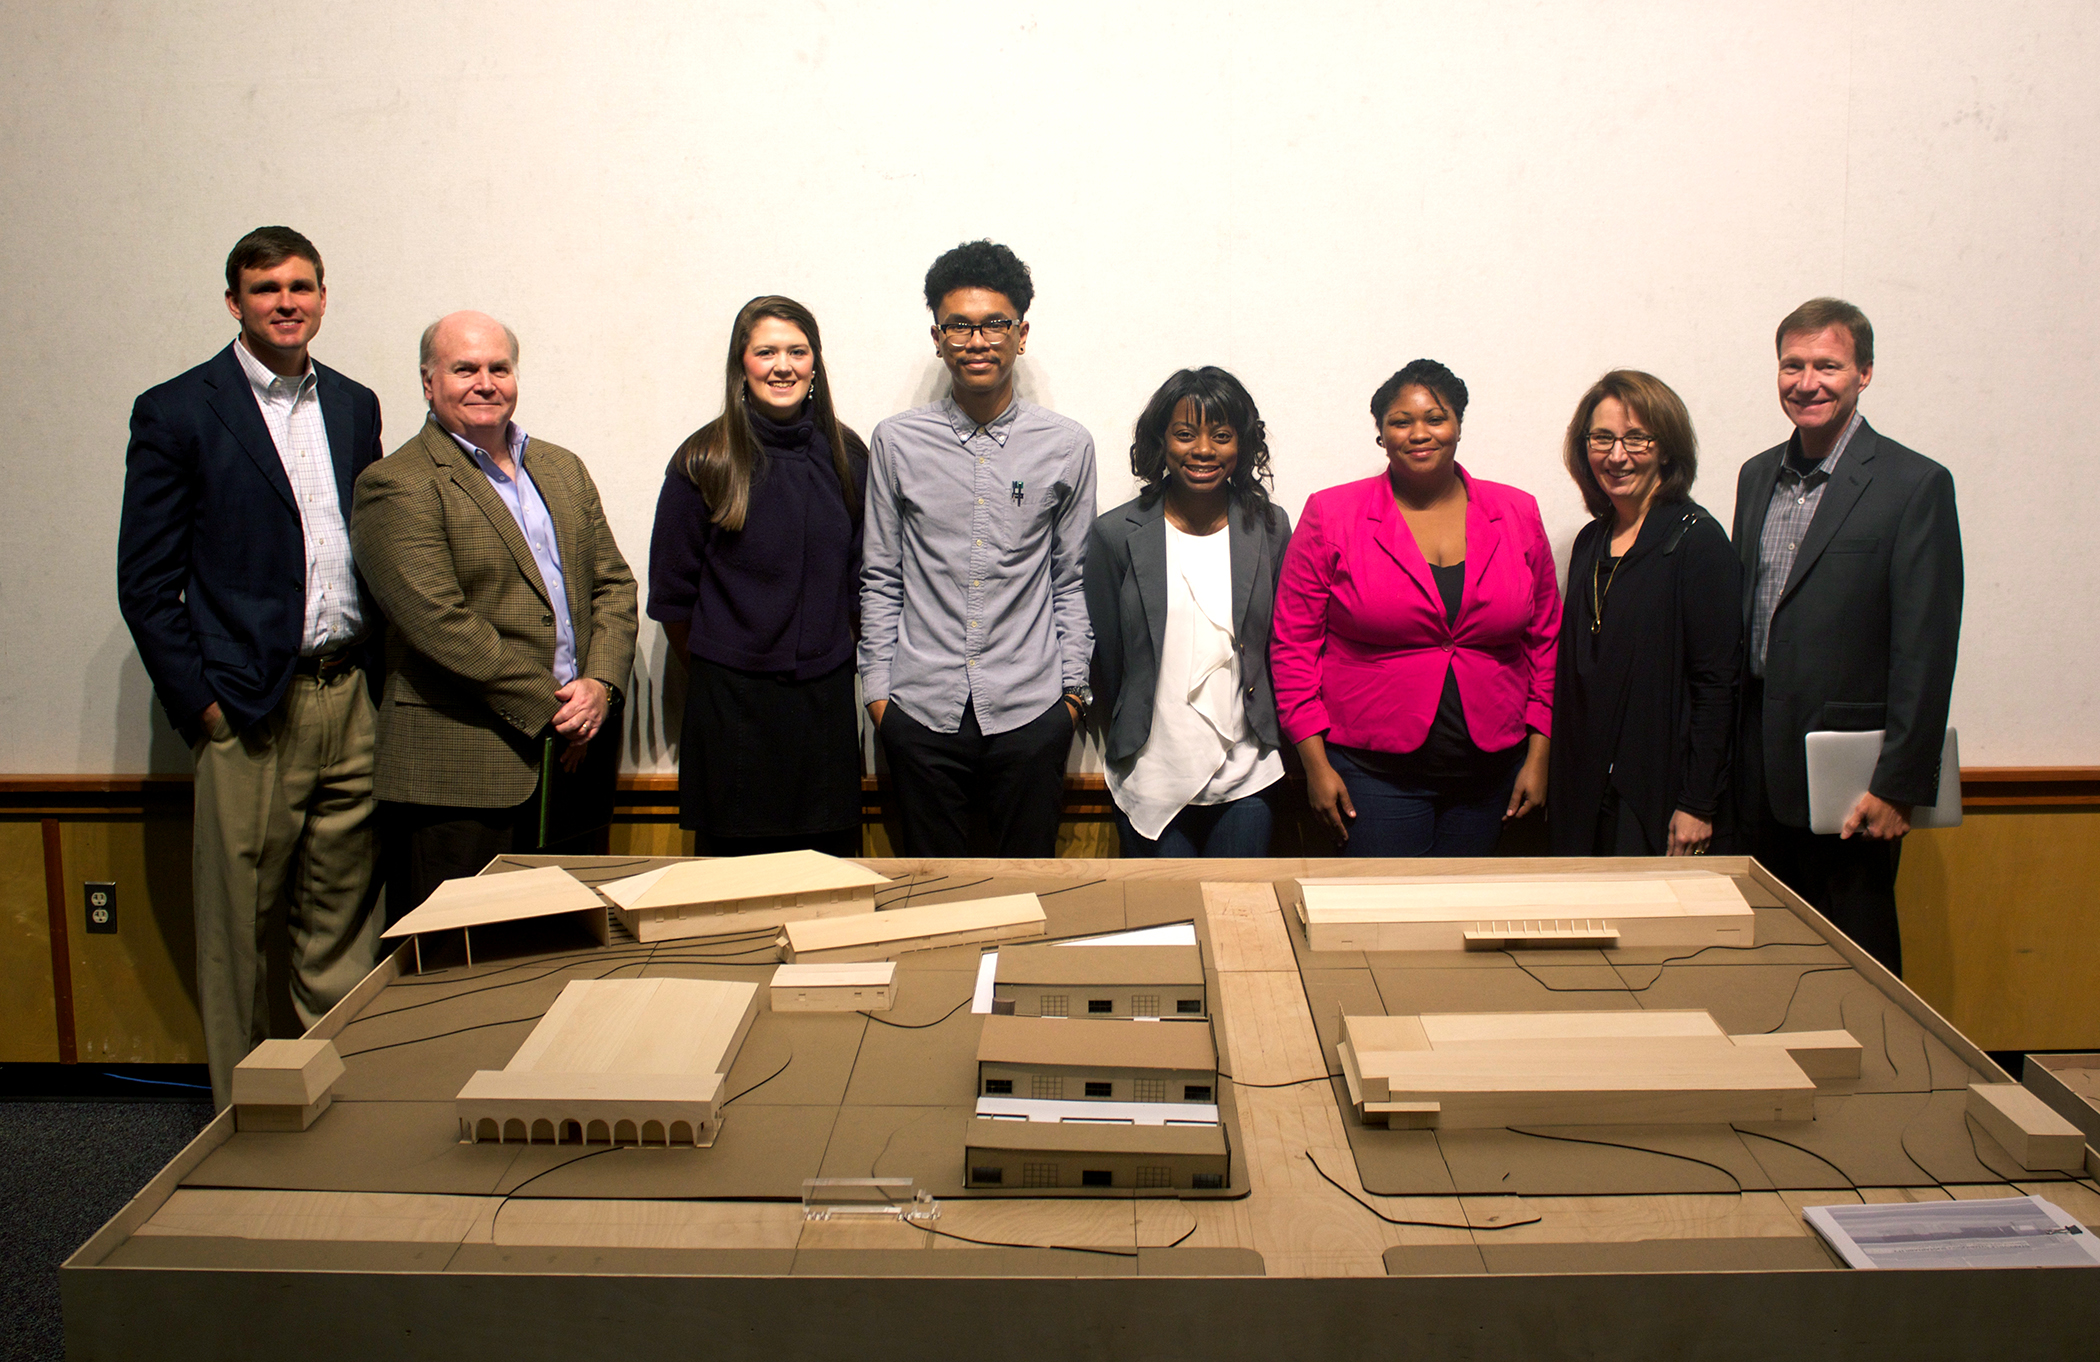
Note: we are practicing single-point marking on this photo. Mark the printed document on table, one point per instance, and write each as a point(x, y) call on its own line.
point(2020, 1231)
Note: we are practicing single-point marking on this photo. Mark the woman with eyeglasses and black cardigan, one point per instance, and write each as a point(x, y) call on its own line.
point(754, 572)
point(1651, 636)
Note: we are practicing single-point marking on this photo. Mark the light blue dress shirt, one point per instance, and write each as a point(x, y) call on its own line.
point(527, 507)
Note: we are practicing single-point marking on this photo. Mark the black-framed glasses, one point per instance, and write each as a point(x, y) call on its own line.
point(1635, 441)
point(995, 330)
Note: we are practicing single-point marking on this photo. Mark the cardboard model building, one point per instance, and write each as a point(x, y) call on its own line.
point(490, 900)
point(1016, 1154)
point(835, 988)
point(285, 1085)
point(1049, 1069)
point(1489, 1069)
point(1100, 982)
point(884, 935)
point(732, 894)
point(1502, 912)
point(620, 1061)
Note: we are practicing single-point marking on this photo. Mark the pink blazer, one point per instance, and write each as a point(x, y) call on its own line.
point(1359, 644)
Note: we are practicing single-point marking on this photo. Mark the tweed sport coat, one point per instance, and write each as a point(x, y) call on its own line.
point(470, 647)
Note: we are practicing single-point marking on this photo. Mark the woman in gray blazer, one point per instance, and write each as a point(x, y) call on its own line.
point(1179, 584)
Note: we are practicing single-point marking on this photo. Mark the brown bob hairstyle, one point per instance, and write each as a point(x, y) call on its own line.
point(724, 458)
point(1655, 409)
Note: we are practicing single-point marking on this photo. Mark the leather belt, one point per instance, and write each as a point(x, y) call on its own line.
point(322, 666)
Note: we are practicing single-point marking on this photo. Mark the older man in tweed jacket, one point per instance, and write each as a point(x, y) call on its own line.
point(512, 613)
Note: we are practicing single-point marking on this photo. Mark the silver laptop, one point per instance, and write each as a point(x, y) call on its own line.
point(1841, 764)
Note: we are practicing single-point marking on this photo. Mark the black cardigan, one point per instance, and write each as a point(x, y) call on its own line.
point(1647, 703)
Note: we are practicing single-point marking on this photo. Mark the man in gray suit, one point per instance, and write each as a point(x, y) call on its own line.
point(1852, 574)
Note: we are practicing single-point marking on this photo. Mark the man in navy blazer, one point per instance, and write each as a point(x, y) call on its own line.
point(1852, 577)
point(234, 574)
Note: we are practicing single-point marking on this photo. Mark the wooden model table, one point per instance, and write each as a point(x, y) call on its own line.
point(376, 1233)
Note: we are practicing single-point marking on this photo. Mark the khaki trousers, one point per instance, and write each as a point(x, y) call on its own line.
point(283, 865)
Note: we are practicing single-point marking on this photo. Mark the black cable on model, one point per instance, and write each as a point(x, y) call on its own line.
point(1638, 1149)
point(1395, 1220)
point(918, 1026)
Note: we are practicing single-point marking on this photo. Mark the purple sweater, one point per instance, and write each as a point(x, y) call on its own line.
point(778, 595)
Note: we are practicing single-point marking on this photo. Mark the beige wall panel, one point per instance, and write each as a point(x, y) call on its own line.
point(2000, 928)
point(28, 1027)
point(134, 992)
point(649, 839)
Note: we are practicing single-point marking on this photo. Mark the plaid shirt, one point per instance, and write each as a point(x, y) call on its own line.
point(291, 408)
point(1795, 496)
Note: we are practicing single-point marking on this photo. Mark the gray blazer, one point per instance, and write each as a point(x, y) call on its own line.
point(1865, 635)
point(1126, 596)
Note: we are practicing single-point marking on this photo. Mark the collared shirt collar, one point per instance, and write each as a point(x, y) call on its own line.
point(1829, 462)
point(999, 427)
point(513, 436)
point(267, 384)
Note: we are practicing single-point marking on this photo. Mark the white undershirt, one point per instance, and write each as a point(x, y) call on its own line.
point(1201, 749)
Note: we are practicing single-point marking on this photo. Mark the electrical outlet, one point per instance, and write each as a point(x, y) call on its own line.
point(100, 896)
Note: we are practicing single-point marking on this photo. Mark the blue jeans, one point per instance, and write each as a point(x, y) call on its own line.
point(1395, 819)
point(1240, 827)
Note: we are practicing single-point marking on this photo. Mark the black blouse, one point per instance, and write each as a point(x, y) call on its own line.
point(1644, 696)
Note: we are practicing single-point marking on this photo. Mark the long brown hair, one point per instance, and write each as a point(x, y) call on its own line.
point(723, 458)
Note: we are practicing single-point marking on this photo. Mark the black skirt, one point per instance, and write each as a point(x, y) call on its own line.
point(764, 756)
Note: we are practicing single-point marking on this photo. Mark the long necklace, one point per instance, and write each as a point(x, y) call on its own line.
point(1600, 587)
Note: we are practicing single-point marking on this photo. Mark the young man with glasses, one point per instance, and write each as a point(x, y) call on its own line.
point(974, 637)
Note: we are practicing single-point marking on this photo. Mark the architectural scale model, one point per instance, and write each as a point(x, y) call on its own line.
point(883, 935)
point(1489, 1069)
point(1100, 982)
point(1048, 1069)
point(513, 896)
point(284, 1085)
point(1016, 1154)
point(1506, 912)
point(835, 988)
point(731, 894)
point(2027, 1128)
point(620, 1061)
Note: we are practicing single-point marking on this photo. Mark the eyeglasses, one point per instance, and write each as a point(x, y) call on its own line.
point(994, 331)
point(1601, 442)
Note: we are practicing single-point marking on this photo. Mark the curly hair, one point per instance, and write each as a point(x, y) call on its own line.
point(980, 264)
point(1657, 409)
point(1219, 398)
point(1448, 388)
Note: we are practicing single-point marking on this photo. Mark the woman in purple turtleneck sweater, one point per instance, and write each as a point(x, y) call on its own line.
point(754, 573)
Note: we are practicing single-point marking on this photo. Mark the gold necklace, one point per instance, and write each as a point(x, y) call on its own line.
point(1600, 587)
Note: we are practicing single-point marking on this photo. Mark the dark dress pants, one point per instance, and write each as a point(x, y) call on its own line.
point(427, 844)
point(1017, 778)
point(1850, 880)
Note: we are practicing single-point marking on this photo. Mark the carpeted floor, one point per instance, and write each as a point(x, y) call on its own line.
point(65, 1168)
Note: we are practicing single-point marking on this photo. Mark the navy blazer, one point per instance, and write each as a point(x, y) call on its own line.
point(211, 557)
point(1126, 597)
point(1865, 635)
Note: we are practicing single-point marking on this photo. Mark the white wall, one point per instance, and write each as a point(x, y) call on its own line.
point(1309, 195)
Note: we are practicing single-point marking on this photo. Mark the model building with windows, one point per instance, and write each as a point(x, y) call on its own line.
point(1031, 1155)
point(1046, 1069)
point(1100, 982)
point(617, 1061)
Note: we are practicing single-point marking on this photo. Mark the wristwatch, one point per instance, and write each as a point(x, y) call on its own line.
point(1083, 696)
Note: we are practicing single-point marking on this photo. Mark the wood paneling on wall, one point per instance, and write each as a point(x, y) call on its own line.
point(2001, 926)
point(28, 1032)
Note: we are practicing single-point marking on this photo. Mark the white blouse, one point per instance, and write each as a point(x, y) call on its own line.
point(1201, 749)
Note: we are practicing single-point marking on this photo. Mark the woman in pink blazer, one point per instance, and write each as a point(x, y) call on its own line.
point(1414, 637)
